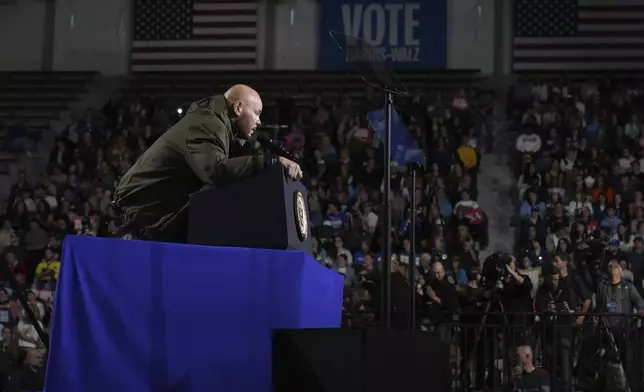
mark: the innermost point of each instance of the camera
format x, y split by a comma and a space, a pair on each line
438, 255
495, 267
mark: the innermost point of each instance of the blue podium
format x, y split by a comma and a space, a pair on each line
136, 316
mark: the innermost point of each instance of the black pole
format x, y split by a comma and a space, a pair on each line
386, 227
20, 290
412, 251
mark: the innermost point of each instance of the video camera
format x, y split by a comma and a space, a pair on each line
438, 255
495, 268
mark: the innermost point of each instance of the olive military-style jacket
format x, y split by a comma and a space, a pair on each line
197, 151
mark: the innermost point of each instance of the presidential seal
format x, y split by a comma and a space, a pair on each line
301, 215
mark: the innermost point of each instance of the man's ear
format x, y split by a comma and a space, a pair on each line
237, 108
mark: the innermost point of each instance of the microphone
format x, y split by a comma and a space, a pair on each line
273, 146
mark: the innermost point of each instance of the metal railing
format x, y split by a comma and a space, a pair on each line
577, 356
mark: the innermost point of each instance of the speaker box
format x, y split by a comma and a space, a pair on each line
338, 360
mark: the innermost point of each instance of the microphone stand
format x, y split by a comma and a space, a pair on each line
386, 202
412, 169
20, 292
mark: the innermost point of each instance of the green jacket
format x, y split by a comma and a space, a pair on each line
199, 150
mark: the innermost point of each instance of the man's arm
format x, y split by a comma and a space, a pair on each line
207, 155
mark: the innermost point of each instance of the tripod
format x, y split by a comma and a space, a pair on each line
478, 349
613, 370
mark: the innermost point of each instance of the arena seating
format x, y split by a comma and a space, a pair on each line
304, 86
34, 99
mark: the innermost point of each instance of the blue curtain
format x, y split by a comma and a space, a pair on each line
142, 316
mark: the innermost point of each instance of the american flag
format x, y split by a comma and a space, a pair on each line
194, 35
578, 35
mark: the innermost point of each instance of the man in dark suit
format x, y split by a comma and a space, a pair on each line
202, 149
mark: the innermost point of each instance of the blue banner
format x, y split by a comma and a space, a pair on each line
410, 35
404, 148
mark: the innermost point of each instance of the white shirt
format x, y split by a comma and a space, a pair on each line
528, 143
632, 130
566, 164
51, 201
467, 204
370, 222
347, 254
625, 163
540, 91
27, 330
30, 205
575, 206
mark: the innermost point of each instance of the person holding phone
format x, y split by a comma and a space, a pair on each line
526, 377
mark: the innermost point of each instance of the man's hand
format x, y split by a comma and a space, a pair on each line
292, 169
430, 291
517, 371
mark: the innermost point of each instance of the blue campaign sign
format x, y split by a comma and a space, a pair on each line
404, 148
410, 35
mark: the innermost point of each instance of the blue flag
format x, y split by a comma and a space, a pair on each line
404, 149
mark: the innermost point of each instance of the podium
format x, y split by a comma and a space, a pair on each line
158, 317
265, 211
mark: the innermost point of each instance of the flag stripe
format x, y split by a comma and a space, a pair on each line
586, 46
578, 40
197, 56
195, 50
226, 18
225, 12
578, 66
578, 54
585, 59
193, 61
225, 24
225, 30
571, 35
230, 5
196, 44
193, 67
193, 35
593, 14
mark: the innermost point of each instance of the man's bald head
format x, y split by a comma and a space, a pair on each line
438, 270
246, 107
240, 92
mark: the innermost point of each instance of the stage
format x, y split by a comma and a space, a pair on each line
144, 316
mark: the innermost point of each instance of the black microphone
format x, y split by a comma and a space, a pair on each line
274, 147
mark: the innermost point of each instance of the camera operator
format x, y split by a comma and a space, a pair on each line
555, 298
569, 280
514, 289
620, 297
505, 291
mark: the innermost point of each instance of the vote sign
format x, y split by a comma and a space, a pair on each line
409, 35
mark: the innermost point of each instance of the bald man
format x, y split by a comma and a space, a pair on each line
202, 149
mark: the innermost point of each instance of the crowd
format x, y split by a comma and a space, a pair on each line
580, 231
343, 167
72, 196
580, 224
569, 297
